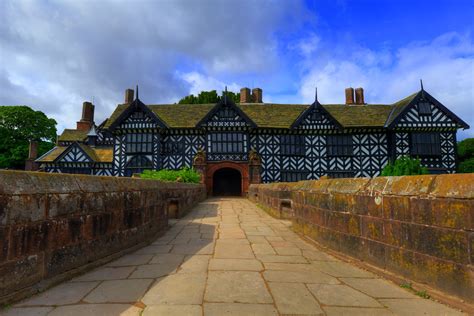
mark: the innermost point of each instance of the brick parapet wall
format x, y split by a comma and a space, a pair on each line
421, 227
52, 224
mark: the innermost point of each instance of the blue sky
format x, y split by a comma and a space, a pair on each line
56, 54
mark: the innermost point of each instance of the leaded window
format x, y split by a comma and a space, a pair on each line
293, 176
139, 143
424, 108
292, 145
339, 145
173, 148
425, 144
137, 164
74, 170
232, 143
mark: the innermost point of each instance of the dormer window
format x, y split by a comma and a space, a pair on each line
424, 108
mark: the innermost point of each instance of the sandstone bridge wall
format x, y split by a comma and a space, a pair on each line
420, 227
54, 226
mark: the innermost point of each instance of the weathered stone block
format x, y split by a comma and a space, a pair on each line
397, 208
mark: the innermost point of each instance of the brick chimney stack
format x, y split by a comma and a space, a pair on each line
245, 95
30, 164
359, 96
257, 95
349, 95
87, 119
129, 93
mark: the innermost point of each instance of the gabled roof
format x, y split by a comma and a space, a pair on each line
224, 102
315, 106
127, 109
96, 154
272, 115
369, 115
402, 106
181, 115
72, 135
51, 155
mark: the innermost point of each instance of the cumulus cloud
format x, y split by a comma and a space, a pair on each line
199, 82
61, 53
445, 64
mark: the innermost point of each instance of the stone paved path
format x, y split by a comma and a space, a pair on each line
228, 257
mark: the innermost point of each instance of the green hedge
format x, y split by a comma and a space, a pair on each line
187, 175
404, 166
466, 155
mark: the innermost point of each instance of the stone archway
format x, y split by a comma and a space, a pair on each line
242, 168
227, 182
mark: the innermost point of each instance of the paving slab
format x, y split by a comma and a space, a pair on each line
342, 269
131, 260
418, 306
172, 310
66, 293
357, 311
119, 291
294, 299
153, 271
236, 251
106, 273
168, 258
235, 265
154, 249
195, 264
177, 289
229, 309
341, 295
263, 249
378, 288
236, 287
299, 277
96, 309
282, 259
26, 311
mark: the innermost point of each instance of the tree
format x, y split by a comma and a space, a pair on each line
206, 97
466, 155
18, 126
404, 166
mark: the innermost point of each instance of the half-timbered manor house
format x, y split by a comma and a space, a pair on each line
233, 145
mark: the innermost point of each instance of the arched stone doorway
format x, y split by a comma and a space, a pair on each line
227, 182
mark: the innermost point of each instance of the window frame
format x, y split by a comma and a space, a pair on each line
340, 146
424, 108
425, 144
139, 143
292, 145
227, 142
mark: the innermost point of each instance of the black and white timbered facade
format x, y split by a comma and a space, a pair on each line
293, 142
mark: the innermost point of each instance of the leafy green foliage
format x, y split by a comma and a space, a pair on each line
404, 166
466, 166
466, 155
19, 125
187, 175
206, 97
466, 149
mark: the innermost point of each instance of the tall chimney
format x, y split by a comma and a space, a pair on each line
257, 95
87, 119
359, 93
33, 150
129, 95
349, 95
245, 95
30, 164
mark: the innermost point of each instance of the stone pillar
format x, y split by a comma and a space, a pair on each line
200, 164
255, 166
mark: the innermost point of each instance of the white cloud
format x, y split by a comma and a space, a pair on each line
61, 53
199, 82
446, 65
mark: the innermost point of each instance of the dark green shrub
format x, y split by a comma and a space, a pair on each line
466, 166
466, 149
187, 175
404, 166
